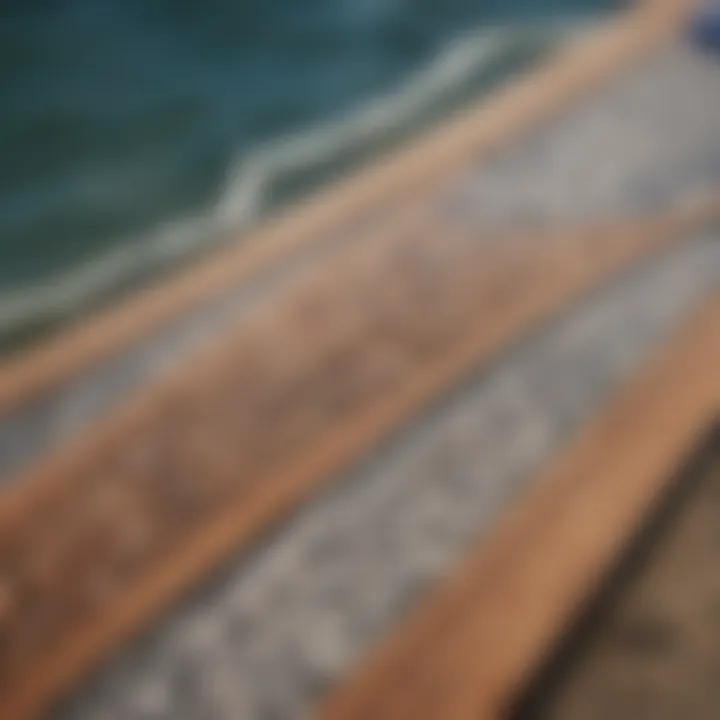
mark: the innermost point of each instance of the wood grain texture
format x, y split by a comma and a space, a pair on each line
418, 172
472, 647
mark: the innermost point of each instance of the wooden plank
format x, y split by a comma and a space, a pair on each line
416, 172
471, 648
654, 628
104, 535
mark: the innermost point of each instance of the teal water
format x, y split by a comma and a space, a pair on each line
136, 133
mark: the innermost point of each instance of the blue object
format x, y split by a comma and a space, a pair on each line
706, 27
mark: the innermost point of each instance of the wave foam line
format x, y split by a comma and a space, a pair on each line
244, 198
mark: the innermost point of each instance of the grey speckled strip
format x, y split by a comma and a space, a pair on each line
643, 141
634, 146
269, 637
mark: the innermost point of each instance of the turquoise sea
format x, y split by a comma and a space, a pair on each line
137, 133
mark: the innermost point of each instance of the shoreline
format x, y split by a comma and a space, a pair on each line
419, 168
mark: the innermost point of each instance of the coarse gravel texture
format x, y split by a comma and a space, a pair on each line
633, 147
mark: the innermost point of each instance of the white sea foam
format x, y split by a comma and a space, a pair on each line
462, 62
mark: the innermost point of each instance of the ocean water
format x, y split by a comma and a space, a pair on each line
135, 134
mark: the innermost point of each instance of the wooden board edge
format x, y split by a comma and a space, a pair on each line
469, 649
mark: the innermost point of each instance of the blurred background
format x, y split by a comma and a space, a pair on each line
138, 135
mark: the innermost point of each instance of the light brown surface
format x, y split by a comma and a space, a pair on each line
470, 650
653, 650
103, 536
418, 171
